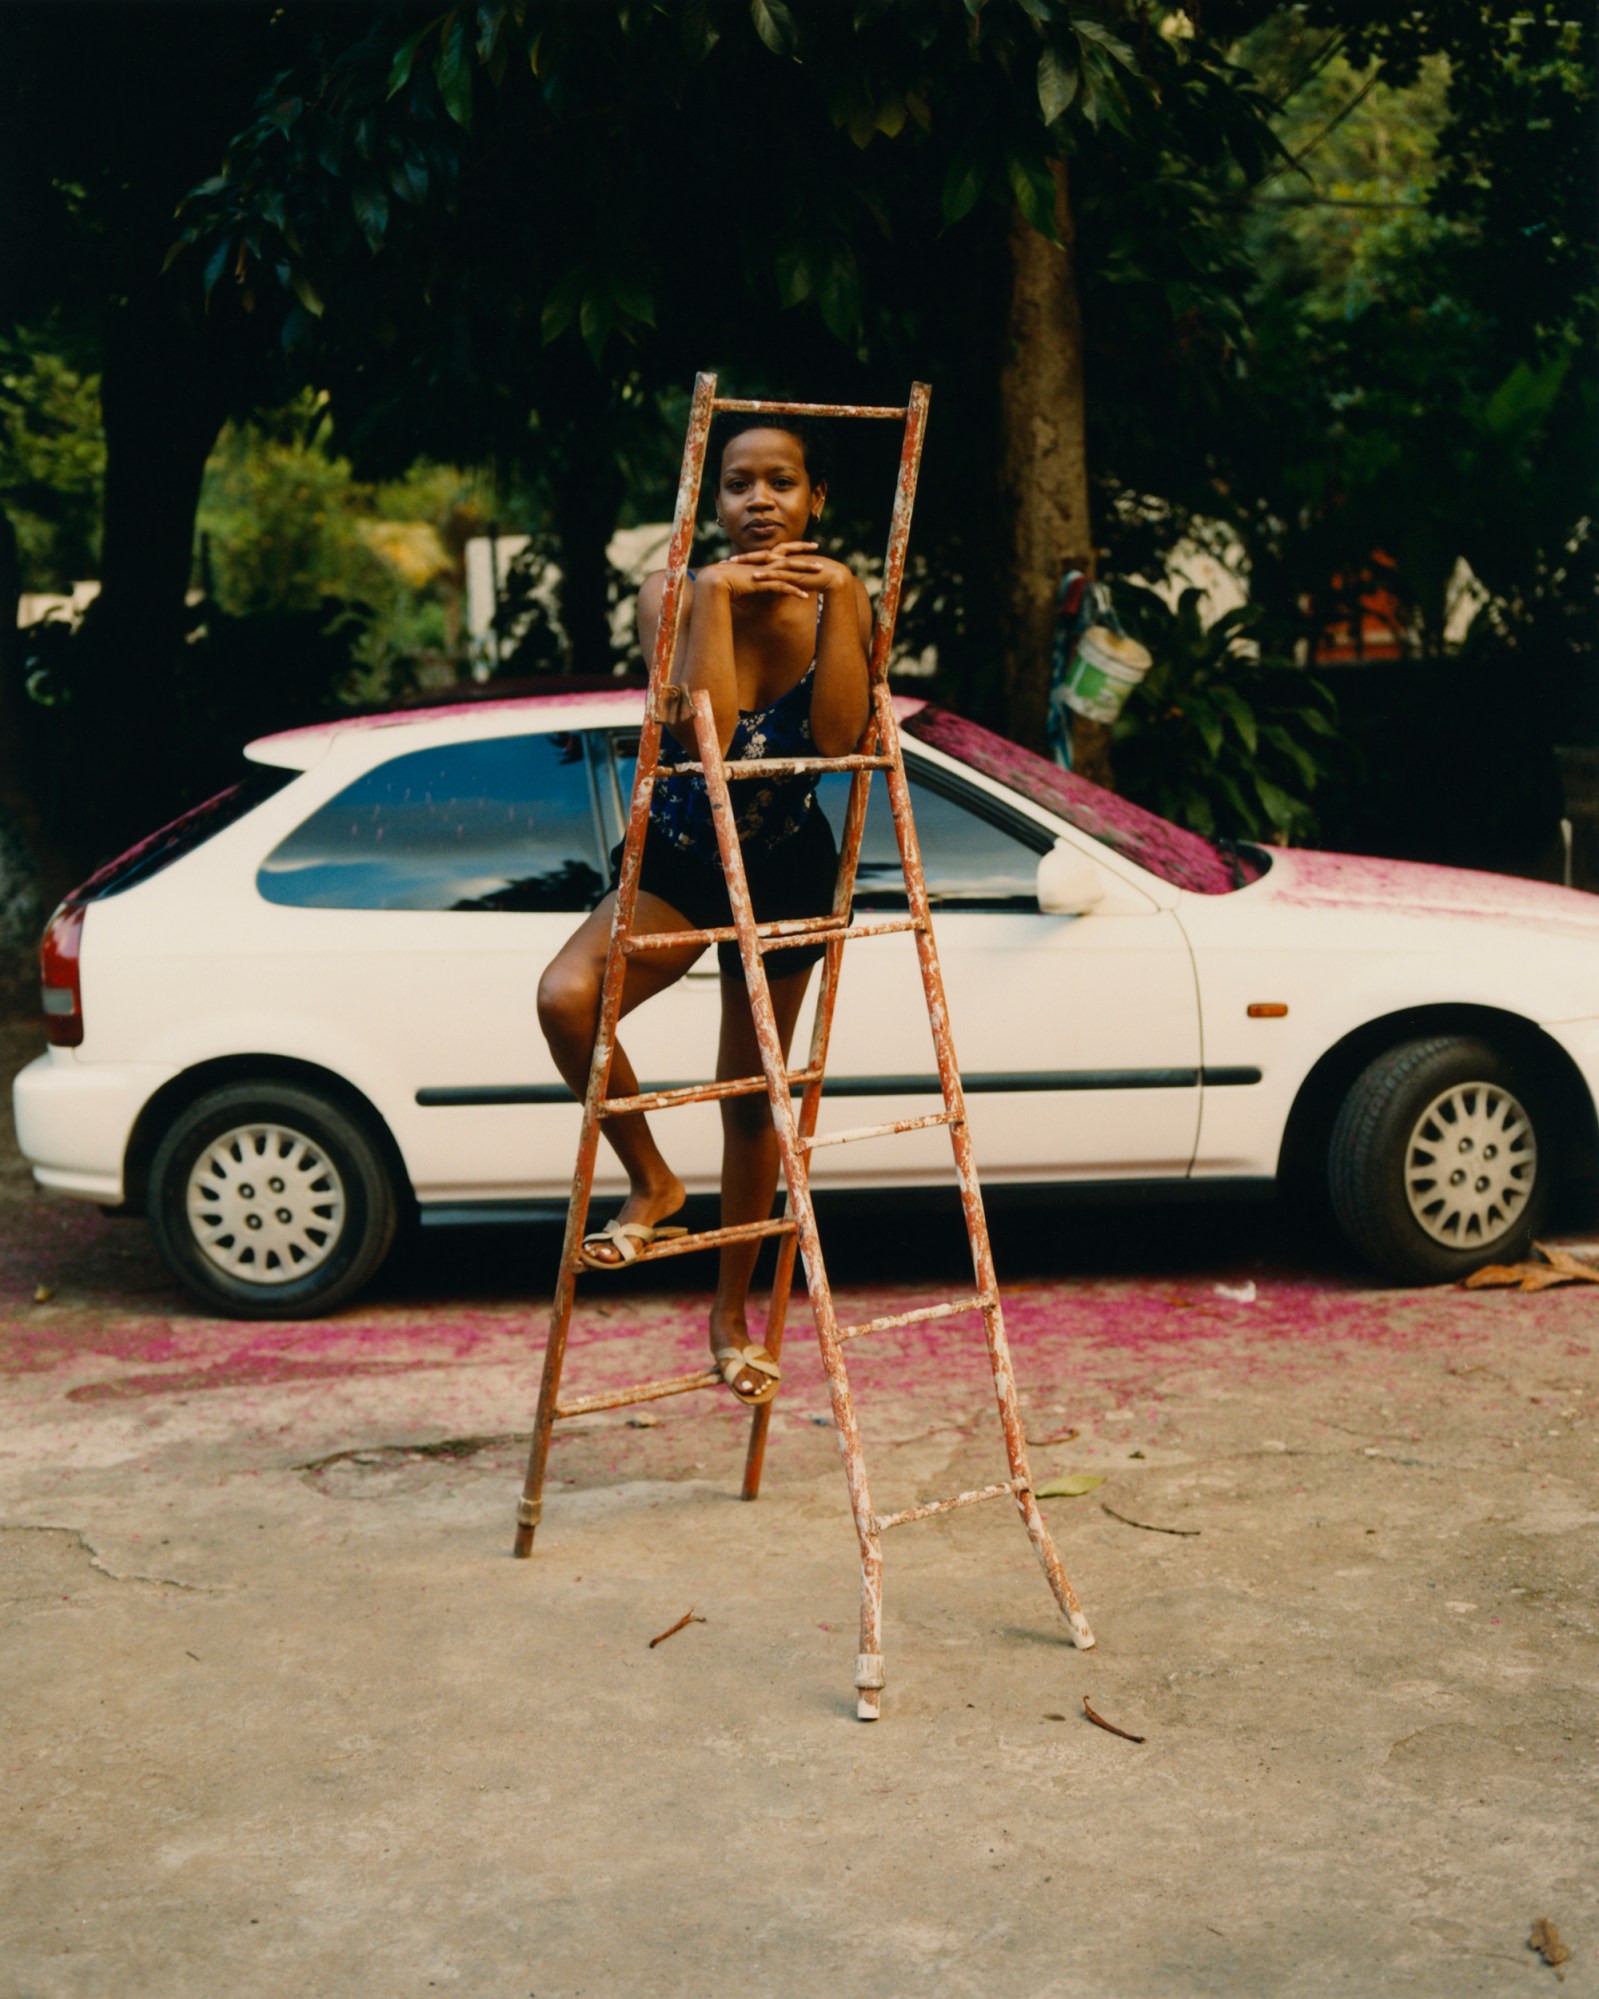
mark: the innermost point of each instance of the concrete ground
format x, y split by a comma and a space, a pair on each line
282, 1716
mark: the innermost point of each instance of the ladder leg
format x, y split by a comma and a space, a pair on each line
772, 1340
966, 1174
1038, 1533
775, 1068
694, 446
869, 1660
811, 1102
530, 1510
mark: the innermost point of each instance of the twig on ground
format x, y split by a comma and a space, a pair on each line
1144, 1524
688, 1617
1059, 1437
1109, 1727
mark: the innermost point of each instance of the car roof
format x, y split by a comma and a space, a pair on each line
463, 721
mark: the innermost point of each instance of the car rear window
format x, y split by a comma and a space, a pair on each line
503, 823
182, 835
1152, 843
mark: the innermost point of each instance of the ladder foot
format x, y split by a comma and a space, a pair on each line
1082, 1631
869, 1685
528, 1514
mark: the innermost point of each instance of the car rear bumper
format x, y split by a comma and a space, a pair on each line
74, 1121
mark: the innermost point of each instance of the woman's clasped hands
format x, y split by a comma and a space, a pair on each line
785, 568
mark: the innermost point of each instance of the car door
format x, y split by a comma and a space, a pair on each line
428, 894
1077, 1036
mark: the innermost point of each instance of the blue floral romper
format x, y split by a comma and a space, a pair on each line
790, 855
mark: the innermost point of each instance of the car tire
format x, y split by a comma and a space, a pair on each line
270, 1201
1441, 1159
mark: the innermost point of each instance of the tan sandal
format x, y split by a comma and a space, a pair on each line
627, 1239
734, 1361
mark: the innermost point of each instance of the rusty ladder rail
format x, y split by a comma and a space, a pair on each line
879, 750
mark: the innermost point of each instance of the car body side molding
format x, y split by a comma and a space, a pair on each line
975, 1084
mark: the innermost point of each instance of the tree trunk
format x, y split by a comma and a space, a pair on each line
586, 492
1043, 466
163, 403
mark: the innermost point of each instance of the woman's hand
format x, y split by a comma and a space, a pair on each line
787, 569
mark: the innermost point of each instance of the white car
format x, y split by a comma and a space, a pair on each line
305, 1010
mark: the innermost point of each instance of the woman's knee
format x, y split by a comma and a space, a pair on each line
568, 1002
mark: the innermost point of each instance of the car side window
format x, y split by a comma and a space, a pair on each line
975, 855
972, 857
508, 823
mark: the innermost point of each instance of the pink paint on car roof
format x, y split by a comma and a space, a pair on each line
281, 745
399, 718
1165, 850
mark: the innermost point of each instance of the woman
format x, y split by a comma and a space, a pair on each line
777, 635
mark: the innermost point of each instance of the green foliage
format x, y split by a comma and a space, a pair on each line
455, 217
289, 530
1219, 735
52, 461
1416, 381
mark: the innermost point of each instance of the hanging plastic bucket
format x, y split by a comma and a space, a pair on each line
1105, 669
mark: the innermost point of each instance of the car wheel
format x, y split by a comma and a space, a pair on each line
270, 1202
1440, 1159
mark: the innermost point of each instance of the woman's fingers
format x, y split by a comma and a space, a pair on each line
757, 558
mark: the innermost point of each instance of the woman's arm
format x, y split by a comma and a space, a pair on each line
841, 697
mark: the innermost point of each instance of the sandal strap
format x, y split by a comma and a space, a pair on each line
625, 1235
754, 1358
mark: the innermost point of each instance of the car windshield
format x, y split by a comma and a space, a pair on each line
1181, 858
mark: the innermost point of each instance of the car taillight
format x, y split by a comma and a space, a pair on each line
58, 976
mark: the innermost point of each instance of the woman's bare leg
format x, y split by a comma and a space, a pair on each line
750, 1156
569, 1013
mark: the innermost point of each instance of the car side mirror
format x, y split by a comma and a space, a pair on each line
1068, 882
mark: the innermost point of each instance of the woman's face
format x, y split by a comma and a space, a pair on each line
765, 494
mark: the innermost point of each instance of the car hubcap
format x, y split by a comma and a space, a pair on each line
1470, 1165
266, 1204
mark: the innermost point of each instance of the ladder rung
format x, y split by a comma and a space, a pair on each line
700, 1093
643, 1391
884, 1521
843, 934
707, 1239
882, 1130
777, 766
770, 936
811, 409
979, 1301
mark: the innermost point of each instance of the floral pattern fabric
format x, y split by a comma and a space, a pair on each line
768, 811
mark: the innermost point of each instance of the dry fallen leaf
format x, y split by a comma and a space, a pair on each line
1558, 1267
1569, 1265
1545, 1940
42, 1294
1072, 1487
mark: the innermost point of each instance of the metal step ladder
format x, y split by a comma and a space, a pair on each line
798, 1137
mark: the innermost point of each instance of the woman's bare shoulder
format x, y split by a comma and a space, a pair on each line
647, 612
653, 588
